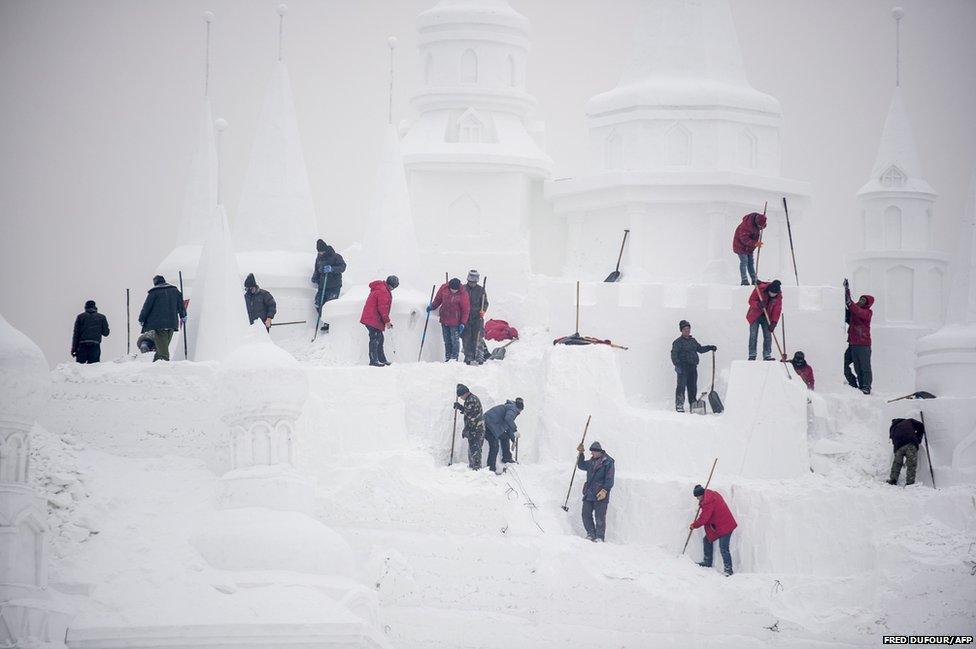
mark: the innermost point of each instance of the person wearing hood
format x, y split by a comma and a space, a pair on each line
803, 369
766, 298
162, 313
719, 523
376, 317
454, 308
259, 302
90, 326
684, 357
600, 473
905, 436
474, 329
474, 424
745, 241
858, 351
500, 430
329, 267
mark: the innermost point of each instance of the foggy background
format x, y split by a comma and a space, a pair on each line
98, 107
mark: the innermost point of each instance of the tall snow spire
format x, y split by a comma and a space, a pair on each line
282, 9
392, 43
897, 13
208, 17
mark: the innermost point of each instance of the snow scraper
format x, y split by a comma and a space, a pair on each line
698, 511
570, 490
615, 275
922, 394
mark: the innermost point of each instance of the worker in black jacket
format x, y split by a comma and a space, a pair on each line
162, 313
327, 275
684, 357
905, 435
90, 326
259, 302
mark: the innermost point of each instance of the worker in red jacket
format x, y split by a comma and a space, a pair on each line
455, 306
858, 351
744, 243
803, 369
714, 515
376, 317
766, 298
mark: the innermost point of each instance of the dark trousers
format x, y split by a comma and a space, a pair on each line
163, 338
376, 353
860, 357
723, 547
330, 294
746, 265
452, 344
595, 517
471, 340
687, 381
493, 444
88, 353
754, 338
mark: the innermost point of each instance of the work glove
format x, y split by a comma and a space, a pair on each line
691, 526
326, 269
430, 307
579, 449
712, 348
515, 436
759, 244
601, 495
772, 327
267, 322
460, 329
846, 283
458, 407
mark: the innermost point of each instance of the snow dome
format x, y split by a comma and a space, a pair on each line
24, 378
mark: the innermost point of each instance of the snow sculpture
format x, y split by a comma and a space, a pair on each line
27, 613
473, 159
946, 366
680, 150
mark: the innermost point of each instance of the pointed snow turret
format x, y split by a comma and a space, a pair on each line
276, 210
390, 242
896, 167
218, 319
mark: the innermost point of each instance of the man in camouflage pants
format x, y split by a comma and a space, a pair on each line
474, 424
905, 435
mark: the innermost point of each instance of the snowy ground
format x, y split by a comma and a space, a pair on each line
129, 455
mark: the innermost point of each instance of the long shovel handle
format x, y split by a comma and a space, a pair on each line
712, 389
424, 336
927, 456
621, 255
453, 434
698, 511
789, 231
582, 441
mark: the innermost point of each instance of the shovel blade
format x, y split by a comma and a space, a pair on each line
613, 277
498, 354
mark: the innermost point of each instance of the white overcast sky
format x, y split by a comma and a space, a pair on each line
98, 102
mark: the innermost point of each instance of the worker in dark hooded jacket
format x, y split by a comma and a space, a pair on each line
684, 357
86, 342
905, 435
745, 241
162, 313
327, 275
600, 473
803, 369
858, 351
717, 519
500, 430
260, 303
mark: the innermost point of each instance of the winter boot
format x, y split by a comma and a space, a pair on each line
728, 572
768, 358
680, 408
894, 482
745, 282
866, 390
590, 537
704, 565
324, 328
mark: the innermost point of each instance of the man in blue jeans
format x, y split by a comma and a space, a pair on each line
745, 240
714, 515
764, 300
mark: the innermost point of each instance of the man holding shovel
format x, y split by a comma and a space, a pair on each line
474, 424
684, 357
714, 515
596, 490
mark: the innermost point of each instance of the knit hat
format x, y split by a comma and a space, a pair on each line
774, 286
454, 284
321, 245
159, 279
595, 446
90, 304
519, 403
699, 490
392, 281
799, 357
250, 282
473, 276
462, 389
683, 324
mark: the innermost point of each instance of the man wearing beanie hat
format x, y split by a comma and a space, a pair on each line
714, 515
162, 313
684, 357
376, 317
500, 430
455, 307
474, 327
765, 299
596, 490
329, 267
90, 326
474, 424
259, 302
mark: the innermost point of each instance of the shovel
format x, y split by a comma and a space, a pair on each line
713, 399
498, 353
615, 275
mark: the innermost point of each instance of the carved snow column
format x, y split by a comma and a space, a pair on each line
263, 391
26, 614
